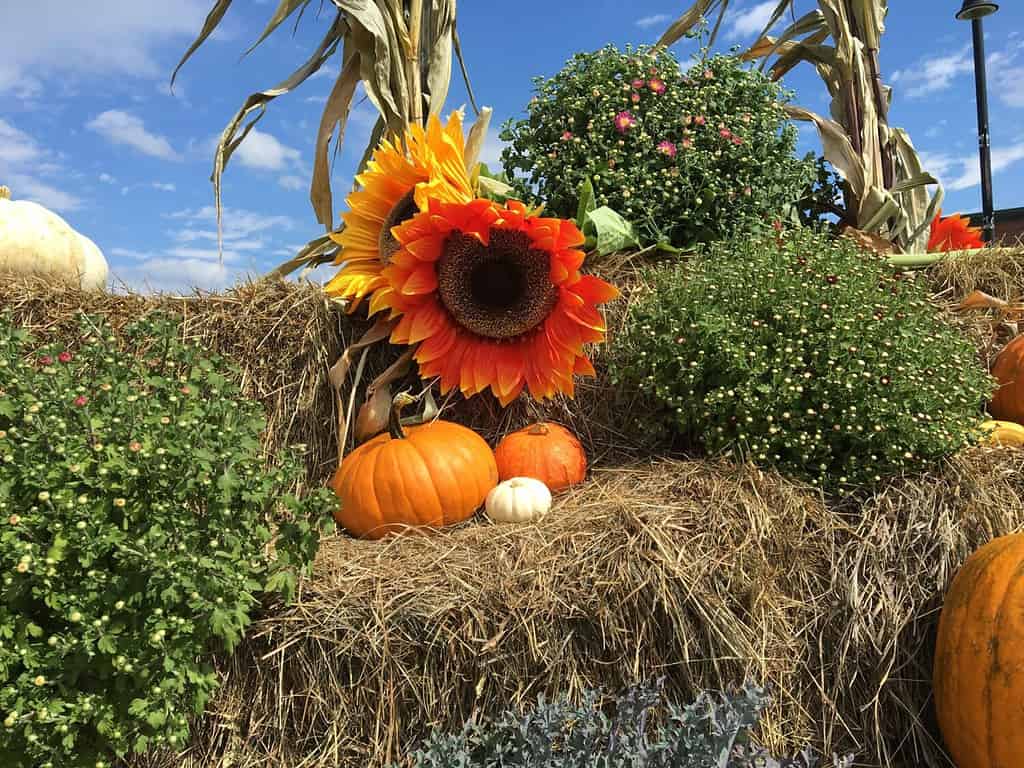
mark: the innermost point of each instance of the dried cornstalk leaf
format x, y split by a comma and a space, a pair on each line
212, 20
284, 10
457, 45
339, 371
678, 29
838, 149
869, 241
335, 115
320, 250
436, 52
477, 137
257, 102
981, 300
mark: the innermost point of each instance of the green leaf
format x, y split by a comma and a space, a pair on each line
587, 204
156, 718
614, 233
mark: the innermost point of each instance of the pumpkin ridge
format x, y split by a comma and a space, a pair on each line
957, 664
972, 609
999, 633
371, 507
428, 477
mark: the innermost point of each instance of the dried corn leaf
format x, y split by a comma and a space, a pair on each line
335, 116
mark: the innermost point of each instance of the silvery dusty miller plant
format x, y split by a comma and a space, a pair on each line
686, 157
135, 512
803, 353
643, 730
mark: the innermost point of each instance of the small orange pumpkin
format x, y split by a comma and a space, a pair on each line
429, 475
979, 659
1008, 401
544, 451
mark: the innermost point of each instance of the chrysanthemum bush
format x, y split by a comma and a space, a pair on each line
643, 730
136, 509
685, 157
804, 353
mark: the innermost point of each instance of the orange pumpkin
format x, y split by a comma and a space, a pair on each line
546, 452
1008, 401
429, 475
979, 659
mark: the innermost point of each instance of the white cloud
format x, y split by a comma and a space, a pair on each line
238, 225
316, 99
46, 38
646, 22
157, 185
934, 130
964, 172
292, 182
106, 178
1010, 86
934, 74
124, 128
166, 274
490, 152
752, 21
22, 161
264, 152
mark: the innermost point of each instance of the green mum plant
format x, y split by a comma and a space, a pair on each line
137, 515
806, 354
686, 157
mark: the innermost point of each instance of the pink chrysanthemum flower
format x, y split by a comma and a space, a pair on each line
667, 148
624, 121
656, 84
638, 83
700, 120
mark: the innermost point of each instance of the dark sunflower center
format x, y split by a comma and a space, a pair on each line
499, 290
402, 211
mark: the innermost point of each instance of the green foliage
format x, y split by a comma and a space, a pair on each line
694, 157
135, 516
643, 731
807, 354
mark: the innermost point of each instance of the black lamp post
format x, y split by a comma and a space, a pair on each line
975, 11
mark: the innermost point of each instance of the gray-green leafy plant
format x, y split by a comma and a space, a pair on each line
136, 517
803, 353
715, 731
684, 157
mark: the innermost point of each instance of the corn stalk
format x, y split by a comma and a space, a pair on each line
401, 50
885, 188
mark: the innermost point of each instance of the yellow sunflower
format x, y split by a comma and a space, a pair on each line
493, 297
402, 175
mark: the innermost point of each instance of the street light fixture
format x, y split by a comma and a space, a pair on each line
974, 11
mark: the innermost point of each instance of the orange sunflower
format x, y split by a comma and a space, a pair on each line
493, 297
427, 163
954, 233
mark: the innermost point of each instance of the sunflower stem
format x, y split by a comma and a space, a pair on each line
401, 400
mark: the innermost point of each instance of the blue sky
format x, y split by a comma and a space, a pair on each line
89, 128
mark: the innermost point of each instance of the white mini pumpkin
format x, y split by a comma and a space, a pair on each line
36, 241
518, 500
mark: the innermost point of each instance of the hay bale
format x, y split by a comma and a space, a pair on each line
702, 572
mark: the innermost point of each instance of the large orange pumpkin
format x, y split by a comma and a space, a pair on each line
546, 452
430, 475
1008, 401
979, 659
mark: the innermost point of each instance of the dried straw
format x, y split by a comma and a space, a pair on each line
702, 571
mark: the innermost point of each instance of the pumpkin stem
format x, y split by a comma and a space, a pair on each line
401, 400
5, 192
540, 428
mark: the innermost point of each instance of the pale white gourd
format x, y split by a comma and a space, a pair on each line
36, 241
518, 500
